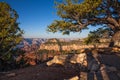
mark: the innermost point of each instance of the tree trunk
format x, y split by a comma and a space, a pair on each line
115, 37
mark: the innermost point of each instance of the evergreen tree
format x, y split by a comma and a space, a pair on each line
10, 32
77, 15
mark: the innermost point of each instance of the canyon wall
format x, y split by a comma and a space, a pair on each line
58, 45
69, 47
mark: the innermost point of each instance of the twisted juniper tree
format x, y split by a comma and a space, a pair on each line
10, 32
77, 15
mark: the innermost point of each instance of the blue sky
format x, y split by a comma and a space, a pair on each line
36, 15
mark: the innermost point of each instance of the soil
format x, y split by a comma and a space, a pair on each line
43, 72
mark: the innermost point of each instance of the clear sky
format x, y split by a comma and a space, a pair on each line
36, 15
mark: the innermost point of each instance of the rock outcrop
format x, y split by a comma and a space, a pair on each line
68, 47
56, 47
57, 44
69, 60
87, 59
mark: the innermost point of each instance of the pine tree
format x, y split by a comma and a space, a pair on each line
78, 15
10, 32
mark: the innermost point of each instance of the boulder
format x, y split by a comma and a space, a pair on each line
79, 59
58, 59
74, 78
69, 59
115, 49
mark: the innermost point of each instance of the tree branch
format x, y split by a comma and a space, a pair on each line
8, 51
113, 21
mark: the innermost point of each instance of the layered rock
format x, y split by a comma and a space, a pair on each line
56, 47
58, 44
49, 47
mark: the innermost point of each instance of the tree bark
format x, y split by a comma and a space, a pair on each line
115, 37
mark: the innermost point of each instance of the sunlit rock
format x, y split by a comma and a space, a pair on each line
116, 49
79, 59
59, 59
69, 59
32, 62
74, 78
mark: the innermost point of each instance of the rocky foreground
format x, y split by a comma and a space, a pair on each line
71, 67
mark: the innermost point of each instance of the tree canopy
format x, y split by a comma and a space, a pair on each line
77, 15
10, 32
95, 36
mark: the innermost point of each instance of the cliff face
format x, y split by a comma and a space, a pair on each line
49, 47
67, 46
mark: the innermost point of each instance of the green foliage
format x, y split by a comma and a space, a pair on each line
92, 39
10, 33
95, 36
73, 13
77, 15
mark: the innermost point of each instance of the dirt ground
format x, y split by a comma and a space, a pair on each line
43, 72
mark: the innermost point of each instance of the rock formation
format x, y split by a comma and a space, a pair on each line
87, 59
57, 45
69, 60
